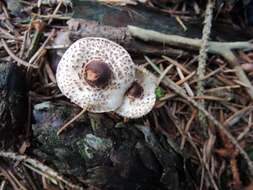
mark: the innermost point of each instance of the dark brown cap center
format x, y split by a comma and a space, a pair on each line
97, 74
135, 91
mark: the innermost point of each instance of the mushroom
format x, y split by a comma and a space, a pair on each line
95, 73
140, 97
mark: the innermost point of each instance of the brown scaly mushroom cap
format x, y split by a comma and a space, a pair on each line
140, 97
95, 72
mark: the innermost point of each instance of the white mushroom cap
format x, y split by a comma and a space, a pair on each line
73, 65
144, 100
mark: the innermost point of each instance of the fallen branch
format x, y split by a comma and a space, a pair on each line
223, 49
81, 28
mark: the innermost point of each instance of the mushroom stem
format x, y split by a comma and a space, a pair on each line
71, 121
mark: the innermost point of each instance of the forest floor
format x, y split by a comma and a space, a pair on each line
198, 134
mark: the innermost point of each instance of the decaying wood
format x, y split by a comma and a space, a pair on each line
80, 28
13, 105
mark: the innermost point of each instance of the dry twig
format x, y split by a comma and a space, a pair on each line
17, 59
71, 121
202, 58
55, 11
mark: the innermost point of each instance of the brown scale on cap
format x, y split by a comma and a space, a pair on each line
135, 91
97, 74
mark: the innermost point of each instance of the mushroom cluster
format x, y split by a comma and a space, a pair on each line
99, 75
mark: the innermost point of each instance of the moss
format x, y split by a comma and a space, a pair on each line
4, 70
63, 111
91, 145
159, 92
83, 149
49, 136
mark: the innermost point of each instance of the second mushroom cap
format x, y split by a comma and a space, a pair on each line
140, 97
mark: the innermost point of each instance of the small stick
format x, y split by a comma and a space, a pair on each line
6, 33
187, 128
205, 97
39, 26
50, 73
247, 129
165, 72
233, 119
221, 88
33, 58
245, 132
2, 186
8, 24
30, 179
71, 121
185, 78
5, 173
172, 61
17, 59
14, 178
51, 16
212, 73
186, 85
23, 46
55, 11
202, 58
39, 3
235, 173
